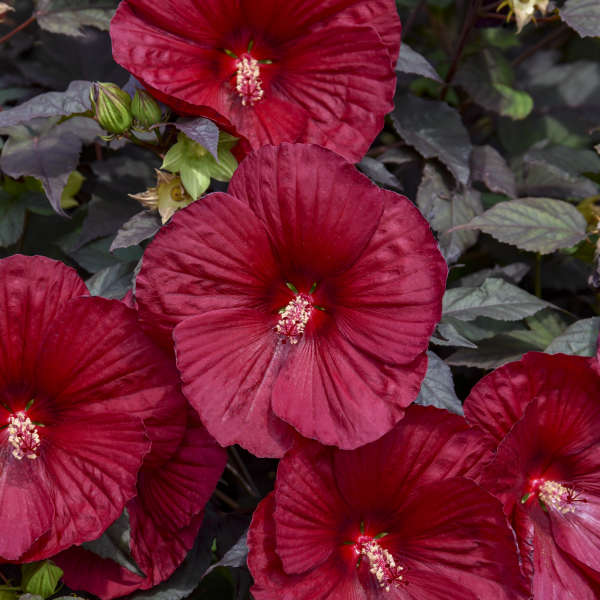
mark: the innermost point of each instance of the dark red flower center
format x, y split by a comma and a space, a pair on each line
294, 317
381, 563
553, 495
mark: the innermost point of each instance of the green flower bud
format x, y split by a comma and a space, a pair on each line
145, 109
112, 107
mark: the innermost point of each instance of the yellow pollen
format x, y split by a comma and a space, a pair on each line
381, 563
248, 82
557, 496
23, 436
294, 318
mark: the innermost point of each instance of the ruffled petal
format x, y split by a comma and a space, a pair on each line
318, 210
228, 377
33, 291
332, 392
454, 531
389, 302
427, 445
310, 514
213, 254
93, 464
26, 508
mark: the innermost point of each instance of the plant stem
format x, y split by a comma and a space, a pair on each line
553, 35
243, 468
225, 498
2, 576
18, 28
538, 275
412, 18
241, 479
468, 25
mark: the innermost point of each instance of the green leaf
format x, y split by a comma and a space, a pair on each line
76, 99
112, 282
70, 16
489, 167
445, 209
234, 557
12, 219
138, 228
580, 338
74, 183
494, 298
437, 388
435, 130
535, 224
447, 335
583, 16
114, 544
512, 273
202, 131
488, 78
412, 62
40, 578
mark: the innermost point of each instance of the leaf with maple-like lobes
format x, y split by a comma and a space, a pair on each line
535, 224
435, 130
437, 388
494, 352
40, 578
75, 99
583, 16
488, 78
489, 167
445, 208
138, 228
203, 131
112, 282
580, 338
572, 160
12, 219
494, 298
235, 556
114, 544
512, 273
47, 152
410, 61
70, 16
540, 178
447, 335
377, 172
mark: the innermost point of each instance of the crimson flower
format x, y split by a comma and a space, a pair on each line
319, 71
77, 376
394, 519
303, 299
165, 516
542, 414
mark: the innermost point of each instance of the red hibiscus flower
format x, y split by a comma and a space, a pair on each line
304, 299
543, 416
165, 516
394, 519
77, 376
318, 71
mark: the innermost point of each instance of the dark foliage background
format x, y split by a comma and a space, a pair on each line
493, 137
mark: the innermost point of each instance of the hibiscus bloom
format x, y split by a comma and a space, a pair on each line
318, 71
77, 376
165, 516
394, 519
542, 414
303, 300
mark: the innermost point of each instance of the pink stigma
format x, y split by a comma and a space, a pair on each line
23, 436
381, 563
294, 317
247, 82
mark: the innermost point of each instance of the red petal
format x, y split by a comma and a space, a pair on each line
453, 531
84, 570
26, 509
33, 292
319, 211
93, 464
228, 377
331, 391
310, 514
213, 254
427, 445
389, 302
